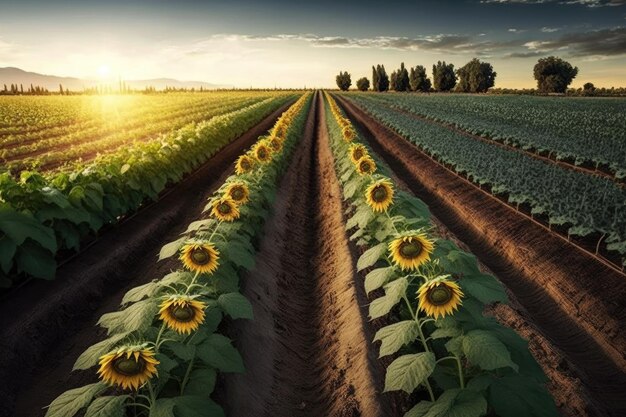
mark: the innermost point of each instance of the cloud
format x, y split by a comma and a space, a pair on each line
529, 54
549, 30
588, 3
604, 42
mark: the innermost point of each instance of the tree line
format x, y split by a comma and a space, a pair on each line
553, 75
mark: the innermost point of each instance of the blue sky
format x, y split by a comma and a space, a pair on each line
292, 44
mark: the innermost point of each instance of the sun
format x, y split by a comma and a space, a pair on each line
104, 71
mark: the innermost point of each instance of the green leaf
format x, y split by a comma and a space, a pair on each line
54, 196
109, 406
172, 248
371, 256
517, 396
183, 351
419, 410
393, 294
36, 261
138, 293
377, 278
19, 226
394, 336
409, 371
218, 352
71, 402
137, 317
484, 349
458, 403
460, 263
455, 346
240, 255
92, 354
446, 332
485, 288
201, 382
7, 252
163, 407
196, 406
236, 305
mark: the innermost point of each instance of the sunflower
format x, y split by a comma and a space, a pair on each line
199, 256
409, 252
244, 164
276, 144
379, 195
129, 366
439, 297
348, 133
357, 152
182, 313
225, 209
238, 191
262, 152
366, 165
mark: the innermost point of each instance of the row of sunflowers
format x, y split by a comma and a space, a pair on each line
430, 297
163, 350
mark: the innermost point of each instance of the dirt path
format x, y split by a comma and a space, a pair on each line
577, 303
308, 351
44, 326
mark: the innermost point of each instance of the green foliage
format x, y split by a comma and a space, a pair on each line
363, 84
418, 80
553, 74
343, 81
444, 78
475, 77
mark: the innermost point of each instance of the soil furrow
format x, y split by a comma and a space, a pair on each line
45, 326
308, 351
575, 301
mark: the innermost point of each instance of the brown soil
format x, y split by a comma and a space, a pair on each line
45, 326
533, 154
570, 395
308, 351
574, 300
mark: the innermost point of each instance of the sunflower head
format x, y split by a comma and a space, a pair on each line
411, 251
379, 195
262, 152
439, 297
348, 133
129, 366
238, 192
357, 151
276, 144
366, 166
199, 256
182, 313
225, 209
244, 165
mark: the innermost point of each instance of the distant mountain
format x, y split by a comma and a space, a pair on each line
12, 75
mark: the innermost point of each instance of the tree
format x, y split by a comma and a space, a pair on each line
61, 89
476, 77
375, 82
400, 79
589, 89
363, 84
443, 76
381, 79
344, 81
553, 74
418, 80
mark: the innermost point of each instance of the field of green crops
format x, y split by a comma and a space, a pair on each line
274, 253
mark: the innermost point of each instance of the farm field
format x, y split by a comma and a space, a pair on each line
312, 253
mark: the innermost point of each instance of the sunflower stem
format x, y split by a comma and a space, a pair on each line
393, 224
460, 366
186, 378
140, 405
215, 230
156, 343
152, 396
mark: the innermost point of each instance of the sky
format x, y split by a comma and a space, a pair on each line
295, 43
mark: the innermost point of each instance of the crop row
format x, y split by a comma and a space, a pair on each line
582, 204
456, 360
164, 350
583, 131
83, 142
41, 214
